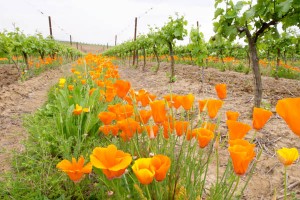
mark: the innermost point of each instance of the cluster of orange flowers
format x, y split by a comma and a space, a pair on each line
225, 60
46, 61
265, 63
126, 120
3, 59
114, 162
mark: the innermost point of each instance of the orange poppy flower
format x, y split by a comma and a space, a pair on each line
110, 160
83, 81
210, 126
100, 83
241, 153
168, 128
71, 87
202, 105
144, 97
221, 90
287, 156
121, 111
237, 130
74, 169
77, 110
143, 170
187, 101
161, 165
181, 127
232, 115
128, 99
128, 126
92, 90
169, 99
110, 93
152, 131
145, 115
122, 87
189, 135
213, 106
107, 117
158, 111
204, 136
289, 110
177, 101
260, 117
106, 129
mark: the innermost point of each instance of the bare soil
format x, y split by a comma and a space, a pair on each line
8, 75
16, 100
268, 176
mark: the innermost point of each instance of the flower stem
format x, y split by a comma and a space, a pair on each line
250, 174
285, 183
148, 192
235, 187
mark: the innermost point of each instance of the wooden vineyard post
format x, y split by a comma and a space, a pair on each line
50, 27
116, 40
71, 40
134, 38
77, 45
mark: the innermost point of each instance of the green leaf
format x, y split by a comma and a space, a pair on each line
249, 14
218, 12
285, 6
239, 5
230, 14
217, 2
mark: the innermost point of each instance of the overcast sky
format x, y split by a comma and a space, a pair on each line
98, 21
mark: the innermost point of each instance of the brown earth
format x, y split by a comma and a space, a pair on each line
268, 176
88, 48
18, 99
8, 75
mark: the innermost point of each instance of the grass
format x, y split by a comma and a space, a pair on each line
34, 174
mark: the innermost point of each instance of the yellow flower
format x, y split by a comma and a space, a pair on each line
287, 156
86, 110
143, 170
62, 82
77, 110
77, 72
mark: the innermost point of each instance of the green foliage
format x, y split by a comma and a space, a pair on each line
255, 17
285, 73
173, 29
197, 46
18, 44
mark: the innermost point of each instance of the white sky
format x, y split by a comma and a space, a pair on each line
98, 21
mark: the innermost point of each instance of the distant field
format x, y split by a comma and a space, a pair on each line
88, 48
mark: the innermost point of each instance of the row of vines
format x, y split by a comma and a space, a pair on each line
256, 23
32, 52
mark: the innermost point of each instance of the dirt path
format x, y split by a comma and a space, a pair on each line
269, 174
16, 100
